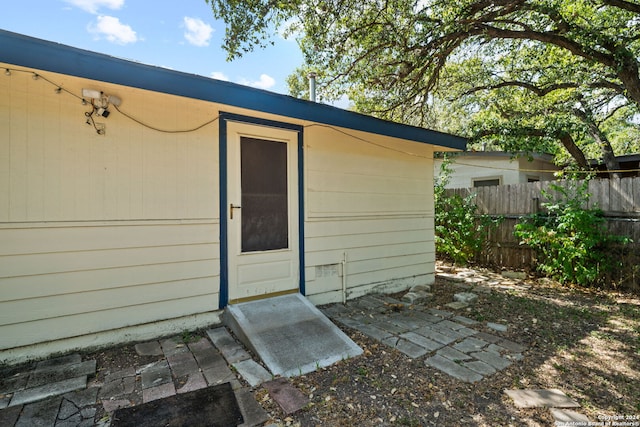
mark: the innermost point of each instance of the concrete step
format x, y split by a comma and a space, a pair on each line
289, 334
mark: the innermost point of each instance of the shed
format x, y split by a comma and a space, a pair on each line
137, 200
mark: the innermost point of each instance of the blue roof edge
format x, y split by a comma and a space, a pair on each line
26, 51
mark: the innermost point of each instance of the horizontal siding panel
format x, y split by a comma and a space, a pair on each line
321, 180
334, 256
34, 309
367, 162
48, 263
367, 240
92, 280
78, 238
367, 225
17, 335
355, 280
386, 263
324, 203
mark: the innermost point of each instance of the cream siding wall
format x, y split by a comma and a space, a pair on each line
369, 204
103, 232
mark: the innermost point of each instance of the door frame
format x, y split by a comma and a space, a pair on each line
224, 118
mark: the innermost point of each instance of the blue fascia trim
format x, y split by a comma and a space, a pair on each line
224, 118
25, 51
301, 261
224, 248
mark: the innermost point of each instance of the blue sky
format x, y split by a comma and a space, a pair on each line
181, 35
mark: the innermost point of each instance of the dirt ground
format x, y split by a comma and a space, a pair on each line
583, 342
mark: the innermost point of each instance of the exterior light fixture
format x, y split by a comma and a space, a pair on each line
100, 101
90, 93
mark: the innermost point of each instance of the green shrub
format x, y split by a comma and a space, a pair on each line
460, 232
572, 243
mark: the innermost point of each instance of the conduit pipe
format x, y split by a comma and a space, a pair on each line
344, 277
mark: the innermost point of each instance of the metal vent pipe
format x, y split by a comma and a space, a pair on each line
312, 86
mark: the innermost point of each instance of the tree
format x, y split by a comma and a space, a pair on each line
398, 59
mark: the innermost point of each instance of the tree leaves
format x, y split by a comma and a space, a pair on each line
536, 71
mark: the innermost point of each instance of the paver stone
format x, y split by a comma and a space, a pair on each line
567, 417
536, 398
452, 368
492, 359
252, 372
287, 396
158, 392
151, 348
42, 413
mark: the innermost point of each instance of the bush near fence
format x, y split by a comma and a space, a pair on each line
619, 199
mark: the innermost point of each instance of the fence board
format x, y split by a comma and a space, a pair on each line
619, 199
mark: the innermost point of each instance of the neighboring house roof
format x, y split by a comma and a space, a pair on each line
629, 165
504, 154
35, 53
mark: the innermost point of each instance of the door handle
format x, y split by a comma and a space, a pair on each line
231, 208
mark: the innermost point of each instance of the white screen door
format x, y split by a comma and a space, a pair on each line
263, 211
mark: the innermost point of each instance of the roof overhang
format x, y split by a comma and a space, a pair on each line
25, 51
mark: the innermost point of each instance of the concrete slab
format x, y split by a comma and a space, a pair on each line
424, 342
457, 305
287, 396
452, 368
470, 344
194, 382
567, 417
453, 354
151, 348
252, 372
17, 381
492, 359
432, 334
373, 332
410, 349
9, 416
465, 320
497, 327
289, 334
156, 374
48, 390
172, 346
252, 413
466, 297
480, 367
229, 347
535, 398
182, 364
57, 373
42, 413
158, 392
69, 359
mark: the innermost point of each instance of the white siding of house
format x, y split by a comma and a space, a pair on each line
372, 205
103, 232
482, 166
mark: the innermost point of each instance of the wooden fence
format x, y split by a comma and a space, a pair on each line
619, 199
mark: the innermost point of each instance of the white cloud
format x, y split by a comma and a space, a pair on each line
92, 6
198, 33
265, 82
219, 75
113, 30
